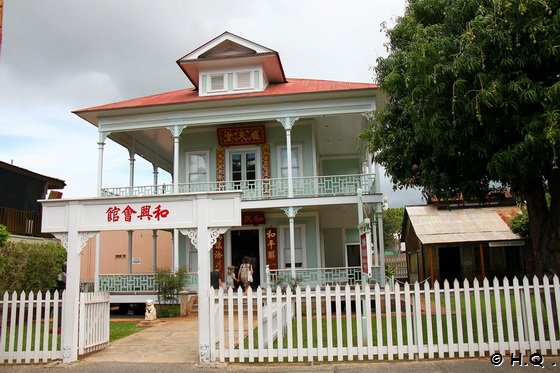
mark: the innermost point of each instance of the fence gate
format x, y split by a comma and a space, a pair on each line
93, 332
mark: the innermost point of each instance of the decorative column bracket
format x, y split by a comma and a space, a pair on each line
83, 236
213, 234
103, 136
287, 122
291, 211
176, 130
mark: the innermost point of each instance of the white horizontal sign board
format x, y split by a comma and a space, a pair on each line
134, 213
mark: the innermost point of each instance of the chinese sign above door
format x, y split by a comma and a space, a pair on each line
238, 136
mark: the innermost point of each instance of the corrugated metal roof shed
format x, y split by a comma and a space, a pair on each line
433, 226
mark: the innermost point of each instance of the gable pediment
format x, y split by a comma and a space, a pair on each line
228, 51
227, 48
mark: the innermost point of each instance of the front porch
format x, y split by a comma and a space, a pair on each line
132, 288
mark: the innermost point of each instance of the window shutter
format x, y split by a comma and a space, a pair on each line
217, 82
244, 80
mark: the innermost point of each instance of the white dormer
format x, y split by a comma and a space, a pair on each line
229, 64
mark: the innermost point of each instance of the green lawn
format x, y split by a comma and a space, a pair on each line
429, 323
121, 329
118, 329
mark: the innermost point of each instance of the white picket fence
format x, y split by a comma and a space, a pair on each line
394, 322
93, 330
31, 327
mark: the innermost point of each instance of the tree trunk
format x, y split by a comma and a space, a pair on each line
544, 221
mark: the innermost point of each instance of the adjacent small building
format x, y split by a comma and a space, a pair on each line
448, 242
19, 191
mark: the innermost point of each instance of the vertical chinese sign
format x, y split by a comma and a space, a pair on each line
218, 255
271, 248
365, 245
1, 11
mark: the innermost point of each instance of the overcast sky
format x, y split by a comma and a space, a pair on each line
62, 55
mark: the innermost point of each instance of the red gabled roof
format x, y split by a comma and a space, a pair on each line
293, 86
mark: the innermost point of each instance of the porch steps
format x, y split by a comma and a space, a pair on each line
188, 305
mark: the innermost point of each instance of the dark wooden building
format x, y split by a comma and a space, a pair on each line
19, 191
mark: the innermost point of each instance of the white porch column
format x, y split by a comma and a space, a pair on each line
96, 262
101, 146
154, 249
291, 213
74, 243
203, 248
176, 133
156, 173
129, 251
131, 185
288, 123
131, 169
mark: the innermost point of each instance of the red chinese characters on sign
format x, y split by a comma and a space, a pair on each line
271, 239
235, 136
252, 218
114, 213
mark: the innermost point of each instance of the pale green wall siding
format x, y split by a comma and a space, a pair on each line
352, 235
192, 142
301, 135
345, 166
202, 85
333, 247
310, 236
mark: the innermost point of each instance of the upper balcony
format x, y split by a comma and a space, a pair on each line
263, 189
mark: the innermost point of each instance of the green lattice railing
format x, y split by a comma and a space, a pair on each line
138, 283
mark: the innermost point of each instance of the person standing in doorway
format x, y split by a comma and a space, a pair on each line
230, 277
245, 274
216, 278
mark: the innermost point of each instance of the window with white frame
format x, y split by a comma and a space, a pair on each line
197, 167
243, 80
299, 246
296, 161
217, 83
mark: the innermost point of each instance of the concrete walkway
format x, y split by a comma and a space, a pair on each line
170, 340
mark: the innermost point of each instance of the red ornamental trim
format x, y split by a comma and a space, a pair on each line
236, 136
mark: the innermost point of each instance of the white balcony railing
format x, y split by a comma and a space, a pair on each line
321, 276
305, 186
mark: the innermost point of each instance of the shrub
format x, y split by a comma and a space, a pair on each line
30, 266
169, 284
4, 234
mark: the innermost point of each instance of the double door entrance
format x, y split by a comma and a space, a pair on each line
246, 243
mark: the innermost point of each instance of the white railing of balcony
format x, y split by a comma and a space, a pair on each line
319, 276
304, 186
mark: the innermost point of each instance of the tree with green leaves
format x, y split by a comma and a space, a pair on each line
473, 105
392, 226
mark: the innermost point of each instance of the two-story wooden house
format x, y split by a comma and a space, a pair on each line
290, 145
